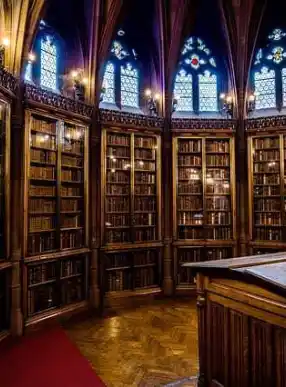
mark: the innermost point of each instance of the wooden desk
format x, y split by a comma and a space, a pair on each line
242, 321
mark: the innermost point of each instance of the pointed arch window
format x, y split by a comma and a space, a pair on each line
109, 84
196, 83
48, 63
121, 79
269, 73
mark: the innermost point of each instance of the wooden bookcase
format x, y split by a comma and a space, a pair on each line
204, 201
131, 211
55, 236
267, 177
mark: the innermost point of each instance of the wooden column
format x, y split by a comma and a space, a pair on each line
168, 282
241, 180
17, 148
94, 178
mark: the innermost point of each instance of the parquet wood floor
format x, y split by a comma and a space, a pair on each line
152, 345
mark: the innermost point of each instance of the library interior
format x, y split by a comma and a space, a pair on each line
142, 193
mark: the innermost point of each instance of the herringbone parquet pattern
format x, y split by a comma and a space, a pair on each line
151, 346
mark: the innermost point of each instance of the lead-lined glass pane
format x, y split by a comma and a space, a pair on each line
129, 86
183, 91
264, 82
48, 64
108, 84
208, 92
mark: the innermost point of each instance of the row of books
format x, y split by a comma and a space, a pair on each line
270, 167
41, 223
46, 173
267, 219
217, 146
117, 139
72, 175
42, 156
266, 179
42, 243
41, 273
42, 205
217, 160
72, 161
217, 233
145, 154
266, 142
267, 204
266, 155
144, 142
267, 233
71, 221
73, 132
41, 125
139, 235
118, 152
190, 146
189, 161
73, 147
44, 141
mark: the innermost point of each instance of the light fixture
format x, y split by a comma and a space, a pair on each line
31, 57
5, 42
226, 104
175, 103
152, 101
74, 74
251, 102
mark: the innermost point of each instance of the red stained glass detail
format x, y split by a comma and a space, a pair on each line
195, 61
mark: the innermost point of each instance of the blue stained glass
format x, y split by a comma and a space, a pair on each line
264, 83
129, 86
284, 85
183, 91
28, 72
208, 92
109, 84
48, 64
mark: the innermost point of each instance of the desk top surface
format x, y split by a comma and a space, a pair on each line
267, 268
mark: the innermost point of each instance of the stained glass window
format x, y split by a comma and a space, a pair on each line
109, 84
264, 82
183, 91
48, 64
196, 87
208, 101
129, 86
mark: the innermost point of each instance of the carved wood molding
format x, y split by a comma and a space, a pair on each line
130, 119
203, 125
8, 82
37, 95
265, 123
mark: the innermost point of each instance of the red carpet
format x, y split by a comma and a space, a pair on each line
45, 359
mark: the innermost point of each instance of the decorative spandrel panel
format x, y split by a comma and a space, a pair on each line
129, 86
265, 88
48, 64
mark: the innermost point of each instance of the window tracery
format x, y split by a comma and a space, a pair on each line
121, 77
196, 83
269, 72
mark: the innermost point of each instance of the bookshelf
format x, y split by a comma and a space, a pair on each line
55, 188
131, 270
4, 179
55, 283
267, 192
130, 188
204, 201
131, 211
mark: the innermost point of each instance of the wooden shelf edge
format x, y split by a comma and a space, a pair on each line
56, 313
57, 255
204, 243
267, 244
4, 335
5, 265
123, 247
133, 293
